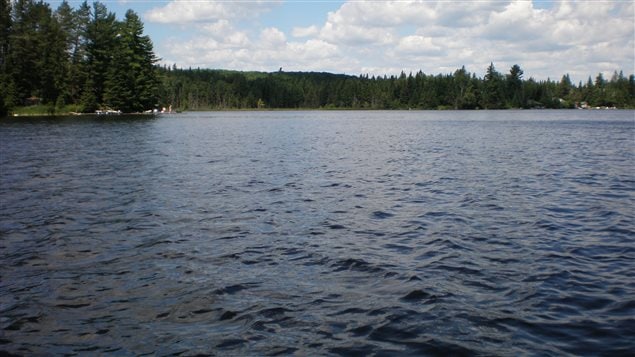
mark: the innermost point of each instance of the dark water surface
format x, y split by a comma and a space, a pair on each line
319, 233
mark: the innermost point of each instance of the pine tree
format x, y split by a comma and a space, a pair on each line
88, 101
515, 95
492, 89
101, 36
23, 46
36, 57
131, 83
599, 91
78, 73
6, 82
565, 87
54, 62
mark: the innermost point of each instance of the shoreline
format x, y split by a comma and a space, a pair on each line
110, 115
73, 114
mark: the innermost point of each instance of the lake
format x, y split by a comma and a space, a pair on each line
319, 233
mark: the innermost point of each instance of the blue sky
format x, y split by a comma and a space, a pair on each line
546, 38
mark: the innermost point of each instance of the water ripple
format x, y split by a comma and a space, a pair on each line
319, 233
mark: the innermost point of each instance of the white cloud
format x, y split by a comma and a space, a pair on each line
271, 52
313, 49
356, 35
219, 27
238, 40
187, 11
463, 14
271, 36
517, 22
373, 23
417, 45
382, 13
223, 34
305, 31
580, 38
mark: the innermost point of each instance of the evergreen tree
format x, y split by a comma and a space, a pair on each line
66, 17
631, 90
54, 63
515, 94
73, 24
24, 45
6, 82
587, 91
146, 81
131, 84
88, 101
599, 91
101, 36
36, 57
492, 89
567, 91
78, 73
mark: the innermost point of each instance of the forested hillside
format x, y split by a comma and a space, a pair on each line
83, 59
197, 89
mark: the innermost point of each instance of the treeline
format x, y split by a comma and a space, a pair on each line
198, 89
84, 57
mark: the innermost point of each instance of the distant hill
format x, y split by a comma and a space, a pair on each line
205, 89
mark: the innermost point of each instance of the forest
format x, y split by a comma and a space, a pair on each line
84, 59
201, 89
69, 59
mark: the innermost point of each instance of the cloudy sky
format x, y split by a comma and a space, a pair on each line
546, 38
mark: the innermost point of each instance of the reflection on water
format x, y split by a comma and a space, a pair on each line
317, 233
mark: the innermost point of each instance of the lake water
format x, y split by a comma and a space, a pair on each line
319, 233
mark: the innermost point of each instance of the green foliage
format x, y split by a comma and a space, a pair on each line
132, 83
46, 109
201, 89
493, 90
88, 102
77, 51
35, 61
6, 83
78, 56
514, 90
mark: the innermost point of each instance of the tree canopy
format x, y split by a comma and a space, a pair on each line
200, 89
82, 56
